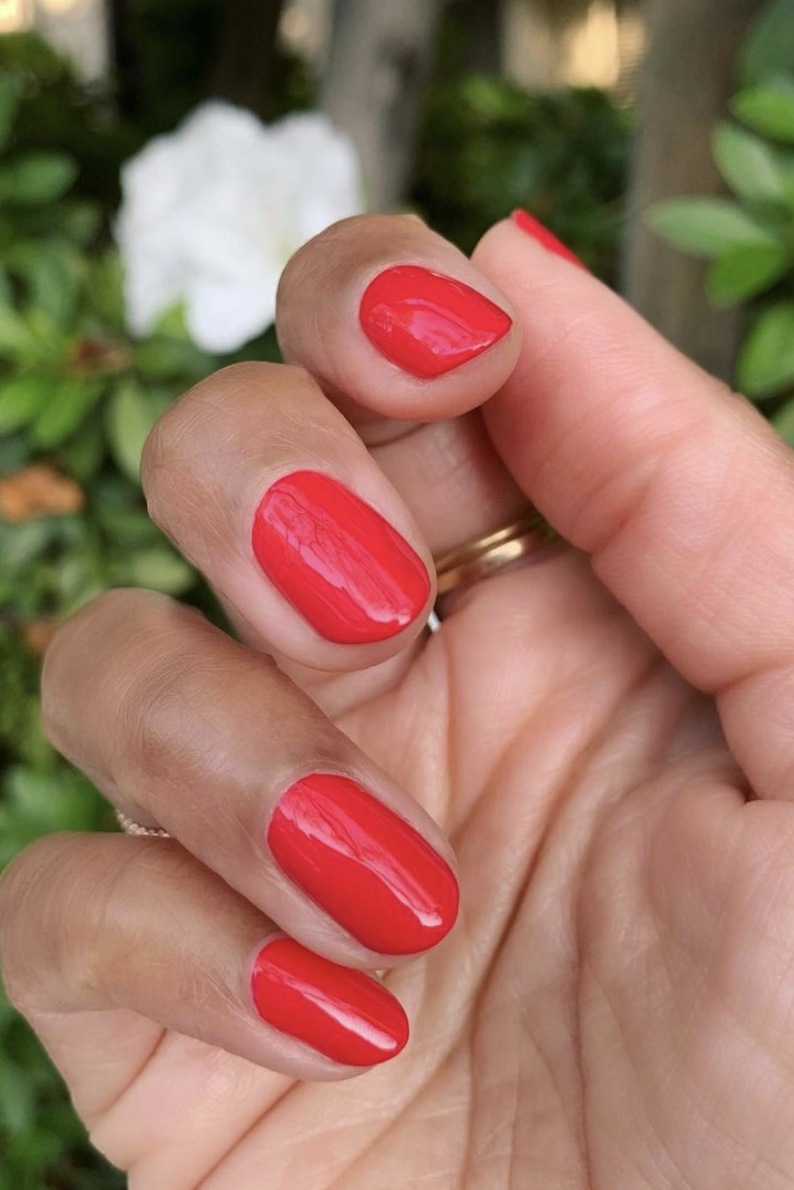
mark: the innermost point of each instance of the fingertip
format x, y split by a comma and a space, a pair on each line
397, 321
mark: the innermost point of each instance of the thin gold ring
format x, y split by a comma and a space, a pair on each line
481, 558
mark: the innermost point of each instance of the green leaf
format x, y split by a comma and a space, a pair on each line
162, 358
80, 222
6, 288
746, 272
706, 227
750, 167
69, 402
159, 568
105, 290
11, 87
131, 413
36, 178
83, 455
783, 421
768, 109
53, 272
17, 341
769, 48
21, 544
766, 363
21, 398
129, 528
43, 802
173, 322
51, 343
14, 453
17, 1106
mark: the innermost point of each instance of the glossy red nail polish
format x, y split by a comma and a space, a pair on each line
342, 1013
337, 561
426, 323
545, 237
363, 864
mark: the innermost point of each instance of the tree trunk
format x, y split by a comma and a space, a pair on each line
483, 19
125, 58
377, 69
687, 77
246, 70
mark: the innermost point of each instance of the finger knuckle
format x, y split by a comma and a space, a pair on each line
357, 238
87, 635
21, 883
165, 707
194, 431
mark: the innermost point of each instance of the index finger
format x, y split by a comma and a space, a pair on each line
681, 491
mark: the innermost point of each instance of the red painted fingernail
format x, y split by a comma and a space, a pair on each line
342, 1013
337, 561
545, 237
426, 323
363, 864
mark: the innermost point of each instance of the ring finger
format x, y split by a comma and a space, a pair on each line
182, 727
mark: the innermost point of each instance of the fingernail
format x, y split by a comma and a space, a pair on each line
337, 561
429, 324
534, 228
363, 864
341, 1013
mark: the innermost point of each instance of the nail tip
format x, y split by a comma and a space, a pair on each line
533, 227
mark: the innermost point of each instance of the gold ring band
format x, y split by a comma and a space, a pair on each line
483, 557
131, 827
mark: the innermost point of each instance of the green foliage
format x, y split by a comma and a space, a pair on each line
754, 170
708, 227
766, 365
769, 48
744, 272
750, 240
488, 146
769, 109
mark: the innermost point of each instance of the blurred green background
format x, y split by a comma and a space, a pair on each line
657, 141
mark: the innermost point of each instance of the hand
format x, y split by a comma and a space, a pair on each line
613, 1008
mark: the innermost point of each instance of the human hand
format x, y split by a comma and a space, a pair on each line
612, 1009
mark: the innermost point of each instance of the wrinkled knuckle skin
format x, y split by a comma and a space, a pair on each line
19, 887
194, 429
86, 635
344, 242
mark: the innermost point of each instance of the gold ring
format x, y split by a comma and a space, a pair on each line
131, 827
483, 557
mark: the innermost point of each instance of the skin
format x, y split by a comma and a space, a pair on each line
603, 734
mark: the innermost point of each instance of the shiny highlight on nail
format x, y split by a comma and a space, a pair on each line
337, 561
365, 865
427, 323
343, 1014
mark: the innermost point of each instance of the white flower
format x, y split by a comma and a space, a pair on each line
211, 213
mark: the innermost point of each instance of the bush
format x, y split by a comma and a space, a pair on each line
750, 239
487, 146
